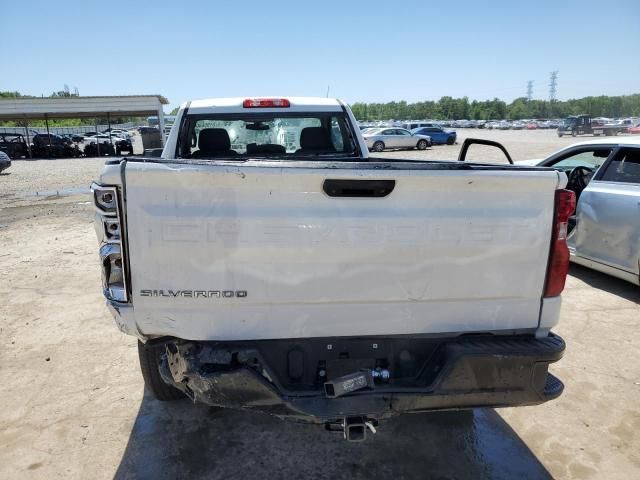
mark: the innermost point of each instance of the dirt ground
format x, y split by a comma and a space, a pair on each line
73, 402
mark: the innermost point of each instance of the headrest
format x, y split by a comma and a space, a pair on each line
213, 140
315, 138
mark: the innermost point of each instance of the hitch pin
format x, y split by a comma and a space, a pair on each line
370, 427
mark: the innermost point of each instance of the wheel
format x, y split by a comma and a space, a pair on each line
149, 361
450, 141
559, 135
118, 151
422, 145
378, 147
573, 133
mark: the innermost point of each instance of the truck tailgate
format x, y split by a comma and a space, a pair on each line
250, 252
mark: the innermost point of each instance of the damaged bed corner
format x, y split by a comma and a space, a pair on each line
209, 377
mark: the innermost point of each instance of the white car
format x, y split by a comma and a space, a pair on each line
394, 137
103, 137
118, 132
604, 230
122, 133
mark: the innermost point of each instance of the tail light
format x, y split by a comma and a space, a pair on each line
558, 265
266, 103
109, 230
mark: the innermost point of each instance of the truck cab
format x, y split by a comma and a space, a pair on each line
575, 125
585, 125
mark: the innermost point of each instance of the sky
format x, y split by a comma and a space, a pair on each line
373, 51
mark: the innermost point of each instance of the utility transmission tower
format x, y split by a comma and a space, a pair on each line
553, 83
529, 90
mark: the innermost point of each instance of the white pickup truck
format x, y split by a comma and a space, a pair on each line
266, 262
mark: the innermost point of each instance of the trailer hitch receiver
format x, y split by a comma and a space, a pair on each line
354, 429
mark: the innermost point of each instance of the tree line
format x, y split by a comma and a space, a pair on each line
448, 108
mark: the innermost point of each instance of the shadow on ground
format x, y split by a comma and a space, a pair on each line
182, 440
610, 284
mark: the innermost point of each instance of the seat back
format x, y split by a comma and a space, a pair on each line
213, 141
315, 140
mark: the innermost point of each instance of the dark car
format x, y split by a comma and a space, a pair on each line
124, 145
438, 135
5, 161
54, 146
13, 144
142, 130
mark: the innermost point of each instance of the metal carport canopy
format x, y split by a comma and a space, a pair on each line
81, 107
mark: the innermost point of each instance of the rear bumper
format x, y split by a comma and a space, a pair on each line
286, 377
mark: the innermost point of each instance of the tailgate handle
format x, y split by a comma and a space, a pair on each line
358, 188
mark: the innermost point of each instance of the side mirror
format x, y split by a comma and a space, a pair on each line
480, 141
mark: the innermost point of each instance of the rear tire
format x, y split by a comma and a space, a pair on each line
378, 147
422, 145
149, 361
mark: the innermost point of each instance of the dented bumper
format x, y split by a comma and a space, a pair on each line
286, 378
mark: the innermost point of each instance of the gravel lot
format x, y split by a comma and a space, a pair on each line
74, 404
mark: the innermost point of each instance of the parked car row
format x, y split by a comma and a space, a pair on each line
501, 124
505, 124
586, 125
522, 124
419, 135
67, 145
